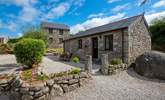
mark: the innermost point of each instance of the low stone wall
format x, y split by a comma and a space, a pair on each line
5, 81
43, 90
108, 69
113, 69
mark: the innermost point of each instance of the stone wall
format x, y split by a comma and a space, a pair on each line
43, 90
139, 39
55, 36
109, 69
114, 69
71, 46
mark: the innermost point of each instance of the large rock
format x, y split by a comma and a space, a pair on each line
151, 64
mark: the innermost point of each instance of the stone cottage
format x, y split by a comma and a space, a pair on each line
56, 33
125, 39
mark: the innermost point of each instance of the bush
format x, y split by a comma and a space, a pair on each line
29, 51
27, 74
116, 61
76, 59
75, 71
42, 77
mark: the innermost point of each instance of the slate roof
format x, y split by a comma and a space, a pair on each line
108, 27
54, 25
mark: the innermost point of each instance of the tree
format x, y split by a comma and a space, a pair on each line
157, 28
14, 40
36, 33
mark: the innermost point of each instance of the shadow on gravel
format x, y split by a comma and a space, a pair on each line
133, 73
80, 65
7, 67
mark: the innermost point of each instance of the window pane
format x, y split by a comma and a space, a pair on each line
61, 32
109, 42
60, 40
79, 44
50, 30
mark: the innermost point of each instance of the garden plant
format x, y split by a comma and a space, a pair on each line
29, 52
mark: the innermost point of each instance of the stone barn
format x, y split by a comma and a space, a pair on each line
56, 33
125, 39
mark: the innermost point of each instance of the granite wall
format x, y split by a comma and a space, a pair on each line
139, 39
42, 90
55, 36
71, 46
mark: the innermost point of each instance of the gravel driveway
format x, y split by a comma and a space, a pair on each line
126, 85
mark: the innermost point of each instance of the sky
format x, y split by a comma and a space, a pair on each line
18, 15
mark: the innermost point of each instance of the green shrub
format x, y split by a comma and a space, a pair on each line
29, 51
75, 59
27, 74
116, 61
42, 77
75, 71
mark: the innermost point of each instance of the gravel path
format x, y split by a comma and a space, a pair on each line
50, 66
126, 85
8, 65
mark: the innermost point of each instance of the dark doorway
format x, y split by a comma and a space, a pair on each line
95, 47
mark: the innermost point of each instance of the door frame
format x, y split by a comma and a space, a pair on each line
94, 50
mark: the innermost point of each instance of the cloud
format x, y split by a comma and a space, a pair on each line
19, 34
160, 3
120, 7
18, 2
94, 22
11, 26
112, 1
150, 17
96, 15
78, 2
58, 11
62, 8
28, 13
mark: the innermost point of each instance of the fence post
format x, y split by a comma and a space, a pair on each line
105, 64
88, 64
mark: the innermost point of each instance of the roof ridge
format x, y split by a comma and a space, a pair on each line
112, 22
53, 23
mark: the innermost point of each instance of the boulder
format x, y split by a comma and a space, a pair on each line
151, 64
